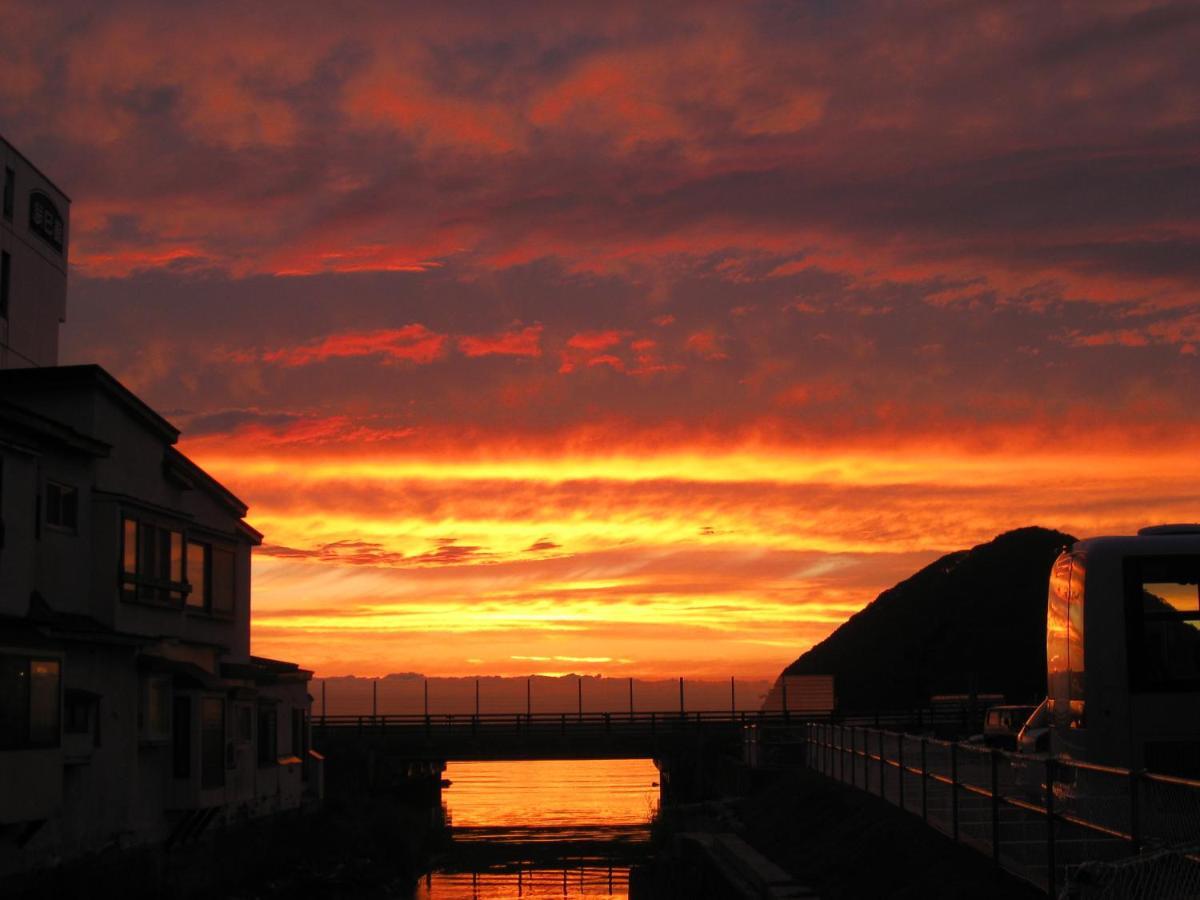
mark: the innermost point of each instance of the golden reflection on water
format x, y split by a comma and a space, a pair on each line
544, 828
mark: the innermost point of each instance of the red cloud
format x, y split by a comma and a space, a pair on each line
595, 340
707, 345
526, 342
413, 343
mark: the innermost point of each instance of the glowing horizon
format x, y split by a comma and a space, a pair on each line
662, 337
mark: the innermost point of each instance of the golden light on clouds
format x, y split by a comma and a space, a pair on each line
634, 565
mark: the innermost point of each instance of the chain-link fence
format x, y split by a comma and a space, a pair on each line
1071, 828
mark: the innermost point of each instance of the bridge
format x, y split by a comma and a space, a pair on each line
512, 736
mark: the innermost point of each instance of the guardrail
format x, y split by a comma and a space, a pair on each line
1042, 819
648, 722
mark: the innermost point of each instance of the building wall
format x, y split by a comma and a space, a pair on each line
18, 495
116, 785
37, 299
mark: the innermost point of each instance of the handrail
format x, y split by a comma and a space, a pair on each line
831, 749
616, 718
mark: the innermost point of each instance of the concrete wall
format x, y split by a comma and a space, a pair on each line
38, 280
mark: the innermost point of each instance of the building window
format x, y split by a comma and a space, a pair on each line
181, 738
81, 713
5, 278
10, 191
1163, 616
30, 702
154, 710
62, 506
199, 562
212, 742
268, 725
223, 581
151, 562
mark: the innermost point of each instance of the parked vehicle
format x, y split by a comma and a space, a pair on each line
1002, 724
1130, 606
1034, 736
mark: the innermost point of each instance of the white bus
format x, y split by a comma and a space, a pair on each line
1123, 651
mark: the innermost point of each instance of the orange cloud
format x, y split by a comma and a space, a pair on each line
413, 343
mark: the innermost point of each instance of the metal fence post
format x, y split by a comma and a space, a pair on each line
924, 784
842, 751
995, 806
1135, 825
954, 790
853, 756
882, 767
1051, 886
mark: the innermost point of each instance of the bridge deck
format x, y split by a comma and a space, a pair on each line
540, 735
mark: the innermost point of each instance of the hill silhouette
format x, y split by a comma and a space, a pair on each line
974, 619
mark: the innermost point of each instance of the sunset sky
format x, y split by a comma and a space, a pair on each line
645, 339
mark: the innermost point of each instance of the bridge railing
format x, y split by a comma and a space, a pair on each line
543, 723
1043, 819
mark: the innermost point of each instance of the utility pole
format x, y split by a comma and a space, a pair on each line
374, 697
528, 698
427, 698
477, 698
631, 697
579, 688
681, 695
732, 698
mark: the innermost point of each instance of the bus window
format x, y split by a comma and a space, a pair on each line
1164, 622
1075, 678
1056, 639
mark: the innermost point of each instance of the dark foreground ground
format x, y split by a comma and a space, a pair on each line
365, 847
846, 843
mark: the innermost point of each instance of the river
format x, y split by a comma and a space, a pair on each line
544, 828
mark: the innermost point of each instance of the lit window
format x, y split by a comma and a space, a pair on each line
152, 562
30, 704
198, 561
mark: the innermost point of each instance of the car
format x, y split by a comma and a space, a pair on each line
1003, 724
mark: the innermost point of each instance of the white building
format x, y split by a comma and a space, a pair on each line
131, 710
33, 263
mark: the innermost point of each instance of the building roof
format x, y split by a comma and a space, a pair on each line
94, 378
197, 477
29, 425
34, 166
83, 378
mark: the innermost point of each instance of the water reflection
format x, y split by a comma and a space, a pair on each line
547, 828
